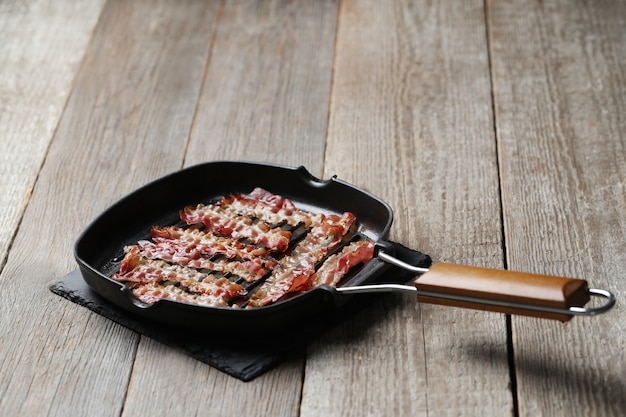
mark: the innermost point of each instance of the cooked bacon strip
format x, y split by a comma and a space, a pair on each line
138, 271
220, 221
190, 255
270, 208
272, 200
337, 265
293, 273
207, 243
151, 293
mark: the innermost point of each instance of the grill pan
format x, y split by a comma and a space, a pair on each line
99, 250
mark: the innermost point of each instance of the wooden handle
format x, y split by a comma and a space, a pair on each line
507, 286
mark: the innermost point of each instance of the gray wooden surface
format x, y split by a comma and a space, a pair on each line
496, 131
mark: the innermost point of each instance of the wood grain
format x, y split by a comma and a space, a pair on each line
127, 121
42, 46
179, 385
268, 85
397, 97
411, 121
560, 89
265, 98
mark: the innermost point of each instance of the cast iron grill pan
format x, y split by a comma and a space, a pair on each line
100, 248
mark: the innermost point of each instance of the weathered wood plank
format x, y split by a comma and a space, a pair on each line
166, 382
268, 85
265, 98
560, 94
42, 46
127, 121
411, 121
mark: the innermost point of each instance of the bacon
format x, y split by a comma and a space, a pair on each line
131, 261
218, 220
191, 256
327, 234
338, 265
151, 293
206, 243
139, 271
270, 208
272, 200
239, 235
294, 272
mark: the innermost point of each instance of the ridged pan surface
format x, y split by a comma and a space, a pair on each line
100, 247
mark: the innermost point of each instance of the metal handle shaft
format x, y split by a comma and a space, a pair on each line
574, 311
488, 289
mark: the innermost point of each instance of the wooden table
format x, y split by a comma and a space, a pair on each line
496, 130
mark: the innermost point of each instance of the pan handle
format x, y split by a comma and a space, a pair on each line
503, 291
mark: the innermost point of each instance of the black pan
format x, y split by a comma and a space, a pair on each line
100, 248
